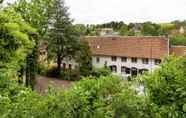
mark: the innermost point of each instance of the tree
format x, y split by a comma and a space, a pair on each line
63, 40
178, 40
81, 28
15, 42
124, 30
84, 59
37, 13
166, 88
151, 29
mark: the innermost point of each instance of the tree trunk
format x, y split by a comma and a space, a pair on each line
59, 62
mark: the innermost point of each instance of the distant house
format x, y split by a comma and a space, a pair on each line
107, 32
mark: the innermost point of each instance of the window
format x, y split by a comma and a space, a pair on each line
127, 70
157, 61
97, 59
113, 68
134, 60
124, 59
145, 60
114, 58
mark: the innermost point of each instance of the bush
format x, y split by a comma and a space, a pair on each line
53, 72
97, 72
42, 69
166, 88
88, 98
70, 74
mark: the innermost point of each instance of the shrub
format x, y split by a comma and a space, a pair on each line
42, 69
70, 74
166, 88
53, 72
97, 72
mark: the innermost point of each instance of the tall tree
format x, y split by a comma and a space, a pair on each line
63, 40
37, 14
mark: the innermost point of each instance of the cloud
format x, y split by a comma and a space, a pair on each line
99, 11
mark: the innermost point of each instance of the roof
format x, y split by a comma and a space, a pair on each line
178, 50
142, 47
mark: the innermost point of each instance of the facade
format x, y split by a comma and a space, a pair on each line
128, 56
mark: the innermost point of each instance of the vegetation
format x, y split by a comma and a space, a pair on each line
63, 40
16, 42
165, 88
101, 95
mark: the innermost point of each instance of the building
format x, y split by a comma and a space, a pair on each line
178, 51
128, 56
107, 32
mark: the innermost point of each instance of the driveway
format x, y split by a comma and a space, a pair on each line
42, 83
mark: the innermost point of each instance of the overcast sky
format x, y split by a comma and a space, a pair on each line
101, 11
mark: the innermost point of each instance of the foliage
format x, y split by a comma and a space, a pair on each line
36, 12
63, 40
151, 29
84, 59
166, 88
71, 75
42, 69
88, 98
15, 42
97, 72
178, 40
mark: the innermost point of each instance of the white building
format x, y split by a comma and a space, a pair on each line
128, 56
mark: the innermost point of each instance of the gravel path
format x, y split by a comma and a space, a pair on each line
42, 83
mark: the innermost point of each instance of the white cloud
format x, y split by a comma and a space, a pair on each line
99, 11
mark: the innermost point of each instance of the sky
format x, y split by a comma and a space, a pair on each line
102, 11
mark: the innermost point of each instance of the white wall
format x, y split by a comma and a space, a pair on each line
68, 61
139, 65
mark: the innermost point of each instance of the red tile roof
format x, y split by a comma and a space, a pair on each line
178, 50
141, 47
